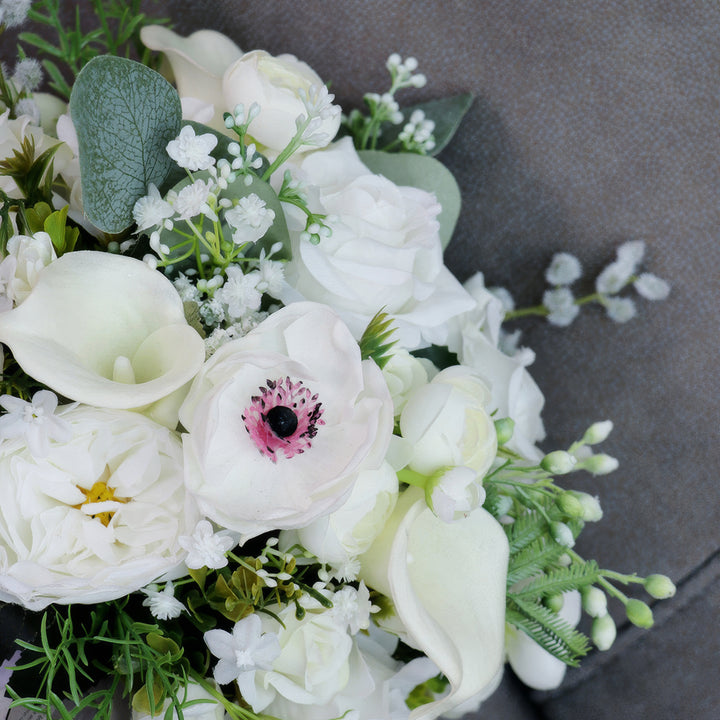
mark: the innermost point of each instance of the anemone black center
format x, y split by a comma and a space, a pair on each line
282, 421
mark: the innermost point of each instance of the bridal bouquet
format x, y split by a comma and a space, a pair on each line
261, 454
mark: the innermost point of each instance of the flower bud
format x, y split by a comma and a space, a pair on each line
558, 462
554, 602
594, 601
504, 505
592, 512
562, 534
603, 632
660, 587
600, 464
570, 505
504, 427
597, 432
639, 613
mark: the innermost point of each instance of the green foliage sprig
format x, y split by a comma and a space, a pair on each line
117, 32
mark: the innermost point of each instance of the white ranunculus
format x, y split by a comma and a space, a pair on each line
447, 585
280, 421
403, 373
98, 517
350, 530
447, 423
514, 393
384, 253
108, 331
536, 667
30, 254
274, 83
197, 65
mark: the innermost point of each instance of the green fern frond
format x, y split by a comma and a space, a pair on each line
375, 342
548, 630
526, 529
532, 560
561, 580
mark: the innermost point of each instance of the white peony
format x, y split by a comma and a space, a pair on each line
384, 252
98, 517
280, 421
447, 423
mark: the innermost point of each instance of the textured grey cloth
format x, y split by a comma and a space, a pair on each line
593, 124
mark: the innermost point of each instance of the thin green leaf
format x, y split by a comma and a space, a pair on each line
532, 560
561, 580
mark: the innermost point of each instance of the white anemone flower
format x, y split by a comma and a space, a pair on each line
281, 420
106, 330
96, 519
447, 584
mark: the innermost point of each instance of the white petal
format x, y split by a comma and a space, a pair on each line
87, 309
447, 583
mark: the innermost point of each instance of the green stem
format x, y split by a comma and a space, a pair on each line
288, 151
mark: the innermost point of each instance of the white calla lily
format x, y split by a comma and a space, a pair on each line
447, 584
105, 330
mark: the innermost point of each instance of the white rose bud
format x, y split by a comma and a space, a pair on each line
452, 493
562, 534
448, 425
592, 512
403, 373
31, 253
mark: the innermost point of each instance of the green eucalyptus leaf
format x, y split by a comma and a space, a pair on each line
421, 172
446, 113
125, 114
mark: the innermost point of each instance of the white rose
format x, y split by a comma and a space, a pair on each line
314, 660
447, 423
30, 254
447, 585
384, 252
106, 330
98, 517
281, 420
211, 71
274, 83
350, 530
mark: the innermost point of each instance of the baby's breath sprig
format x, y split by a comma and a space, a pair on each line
416, 135
316, 227
561, 307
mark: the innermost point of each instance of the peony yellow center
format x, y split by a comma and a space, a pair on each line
101, 492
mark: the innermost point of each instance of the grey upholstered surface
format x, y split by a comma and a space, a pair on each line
594, 123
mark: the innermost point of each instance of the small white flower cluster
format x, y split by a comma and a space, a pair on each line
385, 106
403, 73
565, 269
27, 75
620, 273
321, 114
417, 135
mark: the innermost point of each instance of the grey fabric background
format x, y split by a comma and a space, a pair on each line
594, 123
